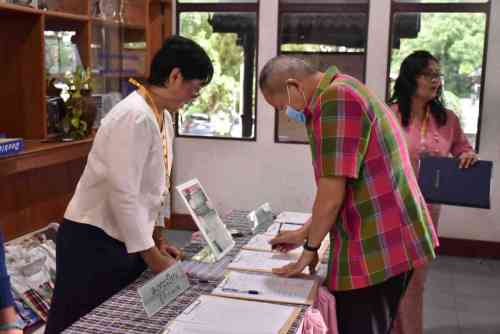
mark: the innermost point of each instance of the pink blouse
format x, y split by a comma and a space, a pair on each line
443, 141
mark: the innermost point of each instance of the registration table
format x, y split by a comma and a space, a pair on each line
124, 313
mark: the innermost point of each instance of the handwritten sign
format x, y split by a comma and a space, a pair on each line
162, 289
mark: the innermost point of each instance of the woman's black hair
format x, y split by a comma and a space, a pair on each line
185, 54
406, 87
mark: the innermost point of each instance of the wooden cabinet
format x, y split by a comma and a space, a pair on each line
36, 184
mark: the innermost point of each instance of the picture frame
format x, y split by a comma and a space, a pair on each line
213, 230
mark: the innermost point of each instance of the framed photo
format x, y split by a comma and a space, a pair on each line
207, 219
262, 216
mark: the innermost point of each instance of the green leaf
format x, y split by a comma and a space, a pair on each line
75, 122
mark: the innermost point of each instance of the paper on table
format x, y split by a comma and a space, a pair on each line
261, 261
216, 315
267, 287
274, 228
260, 242
291, 217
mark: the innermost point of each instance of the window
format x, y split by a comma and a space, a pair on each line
228, 32
325, 33
455, 33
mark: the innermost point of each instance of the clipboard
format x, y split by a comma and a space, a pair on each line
443, 182
261, 282
228, 308
261, 262
259, 243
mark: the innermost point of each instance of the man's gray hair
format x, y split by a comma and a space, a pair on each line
279, 69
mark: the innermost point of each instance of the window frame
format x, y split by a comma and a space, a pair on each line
448, 7
330, 8
245, 7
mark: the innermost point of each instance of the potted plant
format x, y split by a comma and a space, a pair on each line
80, 107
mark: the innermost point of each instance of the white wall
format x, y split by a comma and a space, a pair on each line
243, 175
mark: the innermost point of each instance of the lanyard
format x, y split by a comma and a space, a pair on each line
160, 119
424, 126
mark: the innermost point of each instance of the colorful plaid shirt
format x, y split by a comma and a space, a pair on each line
383, 228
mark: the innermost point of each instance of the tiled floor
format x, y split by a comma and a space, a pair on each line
463, 296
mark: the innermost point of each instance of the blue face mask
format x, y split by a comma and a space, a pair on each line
295, 115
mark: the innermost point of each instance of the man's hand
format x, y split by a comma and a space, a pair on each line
307, 259
287, 240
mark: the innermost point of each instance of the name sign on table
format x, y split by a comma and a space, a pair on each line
162, 289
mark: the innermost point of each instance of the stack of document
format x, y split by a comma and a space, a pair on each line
260, 243
270, 288
215, 315
256, 261
290, 217
276, 228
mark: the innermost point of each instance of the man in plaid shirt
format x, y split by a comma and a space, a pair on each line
367, 194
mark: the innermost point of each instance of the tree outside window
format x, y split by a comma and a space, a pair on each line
226, 107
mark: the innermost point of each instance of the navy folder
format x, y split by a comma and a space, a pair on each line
442, 181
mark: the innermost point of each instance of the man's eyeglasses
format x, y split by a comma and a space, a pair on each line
431, 76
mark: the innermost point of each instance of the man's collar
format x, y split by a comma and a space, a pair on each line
324, 83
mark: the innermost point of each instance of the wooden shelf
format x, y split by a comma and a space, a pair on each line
119, 75
37, 154
65, 16
39, 182
5, 7
63, 21
118, 24
16, 9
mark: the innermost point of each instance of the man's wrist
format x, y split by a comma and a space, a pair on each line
310, 248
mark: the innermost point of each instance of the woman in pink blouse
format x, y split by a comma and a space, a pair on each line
430, 129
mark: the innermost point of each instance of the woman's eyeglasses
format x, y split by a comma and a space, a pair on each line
432, 76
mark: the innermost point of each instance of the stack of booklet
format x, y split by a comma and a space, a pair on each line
31, 264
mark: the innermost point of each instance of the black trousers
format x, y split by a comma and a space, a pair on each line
91, 267
370, 310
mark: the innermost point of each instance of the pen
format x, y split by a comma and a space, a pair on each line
279, 230
250, 292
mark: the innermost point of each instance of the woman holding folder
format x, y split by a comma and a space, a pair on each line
112, 227
430, 129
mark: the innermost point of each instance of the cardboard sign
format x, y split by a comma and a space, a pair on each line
162, 289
